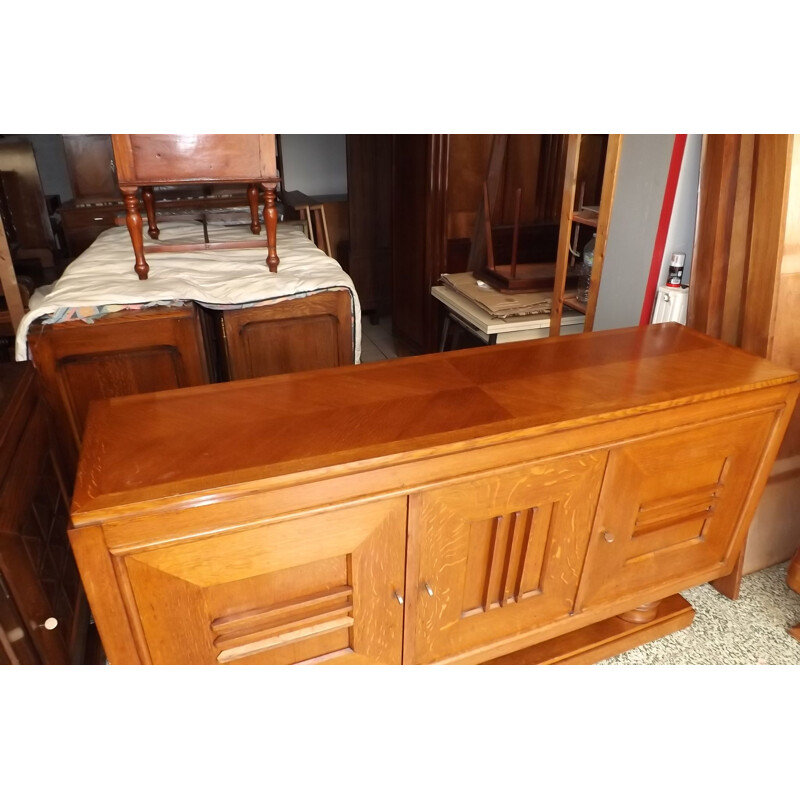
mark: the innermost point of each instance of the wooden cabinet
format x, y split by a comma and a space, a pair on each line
461, 507
498, 554
128, 352
45, 613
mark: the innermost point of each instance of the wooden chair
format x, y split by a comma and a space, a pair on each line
310, 210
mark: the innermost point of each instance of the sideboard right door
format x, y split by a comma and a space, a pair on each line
669, 508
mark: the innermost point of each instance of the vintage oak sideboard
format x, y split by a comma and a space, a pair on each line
534, 502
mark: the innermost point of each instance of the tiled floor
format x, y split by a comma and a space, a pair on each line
376, 340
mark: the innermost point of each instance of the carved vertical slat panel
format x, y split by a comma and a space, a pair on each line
483, 548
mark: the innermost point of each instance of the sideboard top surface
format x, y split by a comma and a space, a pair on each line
158, 446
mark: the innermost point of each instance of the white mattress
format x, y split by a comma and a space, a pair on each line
104, 275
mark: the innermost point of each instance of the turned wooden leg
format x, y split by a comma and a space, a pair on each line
150, 209
645, 613
271, 219
133, 219
252, 199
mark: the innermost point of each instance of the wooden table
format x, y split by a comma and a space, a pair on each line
496, 330
148, 160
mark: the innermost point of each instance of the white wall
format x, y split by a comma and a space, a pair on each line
643, 167
315, 164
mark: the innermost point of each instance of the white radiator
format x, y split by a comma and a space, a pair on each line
671, 304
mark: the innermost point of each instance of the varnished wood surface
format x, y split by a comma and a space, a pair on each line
125, 353
194, 157
38, 572
300, 334
207, 437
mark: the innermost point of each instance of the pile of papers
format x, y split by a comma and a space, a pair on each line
498, 304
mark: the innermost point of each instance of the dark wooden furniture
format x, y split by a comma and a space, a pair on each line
43, 611
369, 198
451, 508
293, 335
123, 353
437, 185
30, 229
144, 161
97, 203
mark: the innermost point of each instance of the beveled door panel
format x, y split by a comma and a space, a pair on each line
670, 507
322, 588
495, 556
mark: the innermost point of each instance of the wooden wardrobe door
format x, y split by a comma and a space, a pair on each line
669, 508
327, 587
494, 556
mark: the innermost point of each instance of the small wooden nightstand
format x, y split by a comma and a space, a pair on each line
148, 160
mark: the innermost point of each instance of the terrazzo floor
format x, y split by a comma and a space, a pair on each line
750, 630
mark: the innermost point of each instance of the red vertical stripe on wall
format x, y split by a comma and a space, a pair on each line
663, 227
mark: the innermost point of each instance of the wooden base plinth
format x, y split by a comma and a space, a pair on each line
605, 639
795, 632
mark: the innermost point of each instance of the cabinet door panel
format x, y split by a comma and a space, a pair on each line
670, 507
501, 554
320, 588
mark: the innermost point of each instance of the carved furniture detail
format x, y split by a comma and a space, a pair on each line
43, 610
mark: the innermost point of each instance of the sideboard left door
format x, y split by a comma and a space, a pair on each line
326, 587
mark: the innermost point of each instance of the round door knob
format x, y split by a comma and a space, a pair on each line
608, 536
428, 589
49, 624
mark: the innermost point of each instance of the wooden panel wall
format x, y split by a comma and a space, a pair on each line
745, 290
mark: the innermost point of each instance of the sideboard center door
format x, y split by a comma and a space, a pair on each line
497, 555
326, 587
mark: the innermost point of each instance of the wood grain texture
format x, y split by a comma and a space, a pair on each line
312, 332
399, 407
125, 353
148, 160
469, 554
451, 508
193, 609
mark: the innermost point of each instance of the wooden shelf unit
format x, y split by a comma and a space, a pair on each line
571, 217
